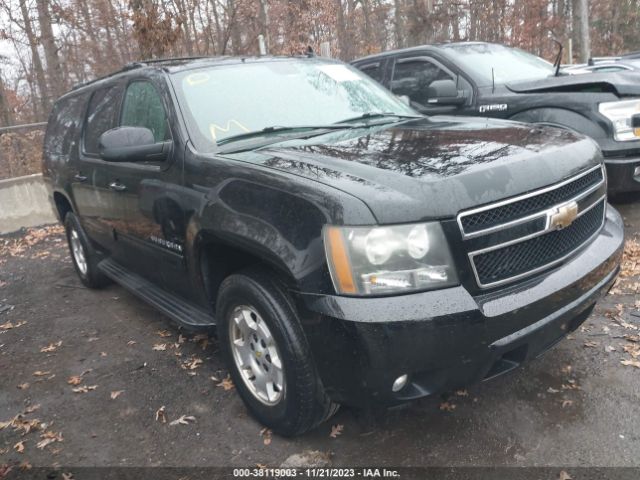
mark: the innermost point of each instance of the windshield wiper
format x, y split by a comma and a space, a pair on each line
370, 115
278, 129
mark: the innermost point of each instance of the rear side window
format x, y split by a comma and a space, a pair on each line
64, 126
143, 107
101, 116
374, 70
412, 79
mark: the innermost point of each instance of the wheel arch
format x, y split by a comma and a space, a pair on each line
63, 204
562, 118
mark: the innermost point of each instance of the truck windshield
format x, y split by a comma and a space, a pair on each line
508, 64
222, 101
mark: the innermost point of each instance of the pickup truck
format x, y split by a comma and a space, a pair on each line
344, 248
491, 80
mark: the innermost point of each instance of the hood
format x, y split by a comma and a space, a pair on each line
433, 168
621, 83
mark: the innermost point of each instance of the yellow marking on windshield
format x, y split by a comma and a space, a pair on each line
213, 128
197, 78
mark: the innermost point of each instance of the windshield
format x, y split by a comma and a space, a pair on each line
508, 64
229, 100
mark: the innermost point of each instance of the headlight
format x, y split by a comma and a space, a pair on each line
620, 113
390, 259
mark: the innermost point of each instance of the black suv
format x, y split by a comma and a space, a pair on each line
485, 79
346, 249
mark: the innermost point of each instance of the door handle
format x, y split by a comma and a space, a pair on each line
80, 178
117, 186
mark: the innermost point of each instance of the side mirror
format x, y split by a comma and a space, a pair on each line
444, 92
132, 144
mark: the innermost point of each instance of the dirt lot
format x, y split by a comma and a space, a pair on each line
95, 373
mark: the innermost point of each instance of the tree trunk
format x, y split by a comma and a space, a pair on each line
6, 115
54, 69
585, 39
263, 15
45, 101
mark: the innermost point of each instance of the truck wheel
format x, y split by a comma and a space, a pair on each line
85, 258
268, 356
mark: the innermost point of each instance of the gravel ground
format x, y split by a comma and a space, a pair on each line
131, 368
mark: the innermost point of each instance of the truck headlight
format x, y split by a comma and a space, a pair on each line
389, 259
620, 113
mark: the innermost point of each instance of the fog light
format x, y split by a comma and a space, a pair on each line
399, 383
636, 172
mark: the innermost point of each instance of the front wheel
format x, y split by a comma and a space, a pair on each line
268, 356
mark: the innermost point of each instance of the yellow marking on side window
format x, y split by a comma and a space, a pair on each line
230, 124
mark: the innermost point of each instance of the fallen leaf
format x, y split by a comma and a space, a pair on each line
31, 408
116, 394
183, 420
23, 386
192, 364
131, 342
24, 466
51, 347
336, 431
566, 369
19, 447
164, 333
75, 380
265, 433
462, 393
567, 403
564, 476
84, 389
226, 383
447, 407
8, 325
48, 438
631, 363
38, 373
160, 347
591, 344
181, 339
552, 390
161, 415
103, 354
609, 348
67, 476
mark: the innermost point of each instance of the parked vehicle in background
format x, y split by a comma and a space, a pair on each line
600, 67
485, 79
345, 248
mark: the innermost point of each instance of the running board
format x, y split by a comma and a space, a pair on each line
174, 307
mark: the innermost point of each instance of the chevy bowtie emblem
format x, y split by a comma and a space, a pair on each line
563, 216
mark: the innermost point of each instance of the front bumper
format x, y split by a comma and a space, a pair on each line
448, 339
623, 174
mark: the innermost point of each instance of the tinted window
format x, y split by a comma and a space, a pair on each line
101, 116
64, 125
143, 108
414, 77
374, 70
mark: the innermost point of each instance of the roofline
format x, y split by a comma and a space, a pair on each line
431, 46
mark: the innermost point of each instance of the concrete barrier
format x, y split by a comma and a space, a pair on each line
24, 202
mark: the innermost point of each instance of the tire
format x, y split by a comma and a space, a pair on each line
84, 257
301, 403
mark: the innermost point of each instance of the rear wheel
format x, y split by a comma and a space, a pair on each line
268, 356
85, 258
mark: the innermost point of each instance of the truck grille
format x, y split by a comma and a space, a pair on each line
531, 255
489, 218
516, 238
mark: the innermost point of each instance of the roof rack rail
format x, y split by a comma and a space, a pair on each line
134, 65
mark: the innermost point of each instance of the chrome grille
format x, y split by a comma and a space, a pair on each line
519, 237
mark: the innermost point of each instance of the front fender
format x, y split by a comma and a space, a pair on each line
563, 118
